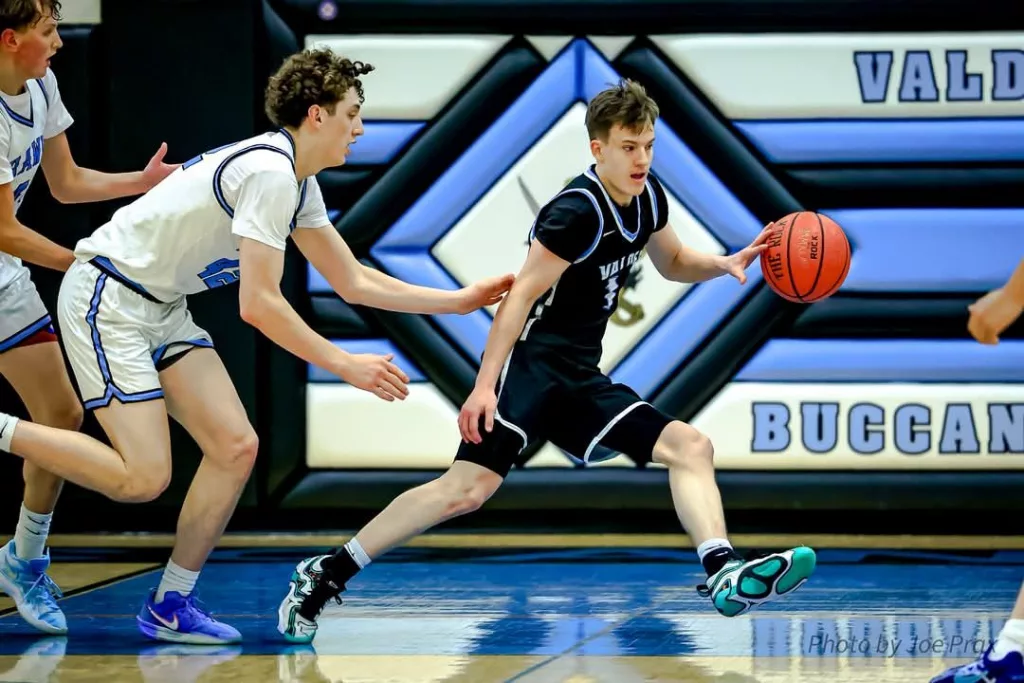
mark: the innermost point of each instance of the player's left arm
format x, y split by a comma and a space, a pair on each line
73, 184
358, 284
678, 262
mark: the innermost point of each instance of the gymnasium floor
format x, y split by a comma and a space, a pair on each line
556, 608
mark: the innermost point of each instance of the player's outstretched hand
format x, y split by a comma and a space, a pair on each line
481, 403
991, 314
737, 264
486, 292
376, 374
156, 170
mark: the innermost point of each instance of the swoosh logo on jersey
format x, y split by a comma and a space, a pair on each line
173, 624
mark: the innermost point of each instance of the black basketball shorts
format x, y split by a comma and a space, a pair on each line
545, 393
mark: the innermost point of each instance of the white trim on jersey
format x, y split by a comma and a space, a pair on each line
654, 202
615, 212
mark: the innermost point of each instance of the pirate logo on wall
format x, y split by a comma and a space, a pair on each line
627, 313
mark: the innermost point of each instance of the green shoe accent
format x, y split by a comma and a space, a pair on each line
804, 562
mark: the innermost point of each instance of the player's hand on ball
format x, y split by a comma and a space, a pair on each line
737, 264
156, 170
376, 374
486, 292
991, 314
482, 402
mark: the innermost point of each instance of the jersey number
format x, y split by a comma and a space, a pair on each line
221, 272
20, 190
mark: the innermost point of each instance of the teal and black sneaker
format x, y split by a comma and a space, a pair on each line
741, 585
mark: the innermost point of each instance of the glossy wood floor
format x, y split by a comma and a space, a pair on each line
572, 614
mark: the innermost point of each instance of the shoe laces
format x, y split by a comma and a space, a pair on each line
45, 590
196, 609
322, 593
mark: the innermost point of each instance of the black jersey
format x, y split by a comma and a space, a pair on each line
602, 241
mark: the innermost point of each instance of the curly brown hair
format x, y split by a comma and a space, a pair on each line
313, 76
626, 104
20, 14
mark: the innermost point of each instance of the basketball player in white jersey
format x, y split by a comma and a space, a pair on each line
224, 216
1003, 660
32, 124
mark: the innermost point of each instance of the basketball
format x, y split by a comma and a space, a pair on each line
807, 258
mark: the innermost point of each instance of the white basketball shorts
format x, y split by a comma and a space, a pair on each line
22, 312
118, 340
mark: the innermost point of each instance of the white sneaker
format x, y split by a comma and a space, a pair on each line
32, 590
308, 583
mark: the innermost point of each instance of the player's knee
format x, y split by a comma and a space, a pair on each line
237, 450
681, 445
144, 486
469, 495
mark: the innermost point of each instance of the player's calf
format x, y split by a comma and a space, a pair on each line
465, 487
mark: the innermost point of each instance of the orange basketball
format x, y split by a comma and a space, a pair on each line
807, 258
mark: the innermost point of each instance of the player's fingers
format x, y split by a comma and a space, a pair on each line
381, 394
463, 432
474, 425
397, 372
390, 387
489, 419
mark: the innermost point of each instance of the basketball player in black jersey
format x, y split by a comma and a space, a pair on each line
539, 376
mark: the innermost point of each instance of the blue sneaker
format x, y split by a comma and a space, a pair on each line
34, 593
180, 619
741, 585
1009, 669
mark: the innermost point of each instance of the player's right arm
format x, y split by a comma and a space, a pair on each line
540, 272
25, 243
564, 232
997, 310
261, 219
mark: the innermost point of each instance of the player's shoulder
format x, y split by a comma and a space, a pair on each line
576, 198
265, 156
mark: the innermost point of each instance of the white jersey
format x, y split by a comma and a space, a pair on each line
26, 120
182, 237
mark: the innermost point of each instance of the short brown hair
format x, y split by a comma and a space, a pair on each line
20, 14
626, 104
314, 76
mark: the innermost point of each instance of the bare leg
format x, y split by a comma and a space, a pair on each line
462, 489
136, 469
38, 376
689, 456
202, 398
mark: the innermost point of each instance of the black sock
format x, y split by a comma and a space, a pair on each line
341, 567
716, 559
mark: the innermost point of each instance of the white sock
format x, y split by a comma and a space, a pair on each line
712, 544
30, 536
178, 580
1011, 639
359, 555
7, 425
